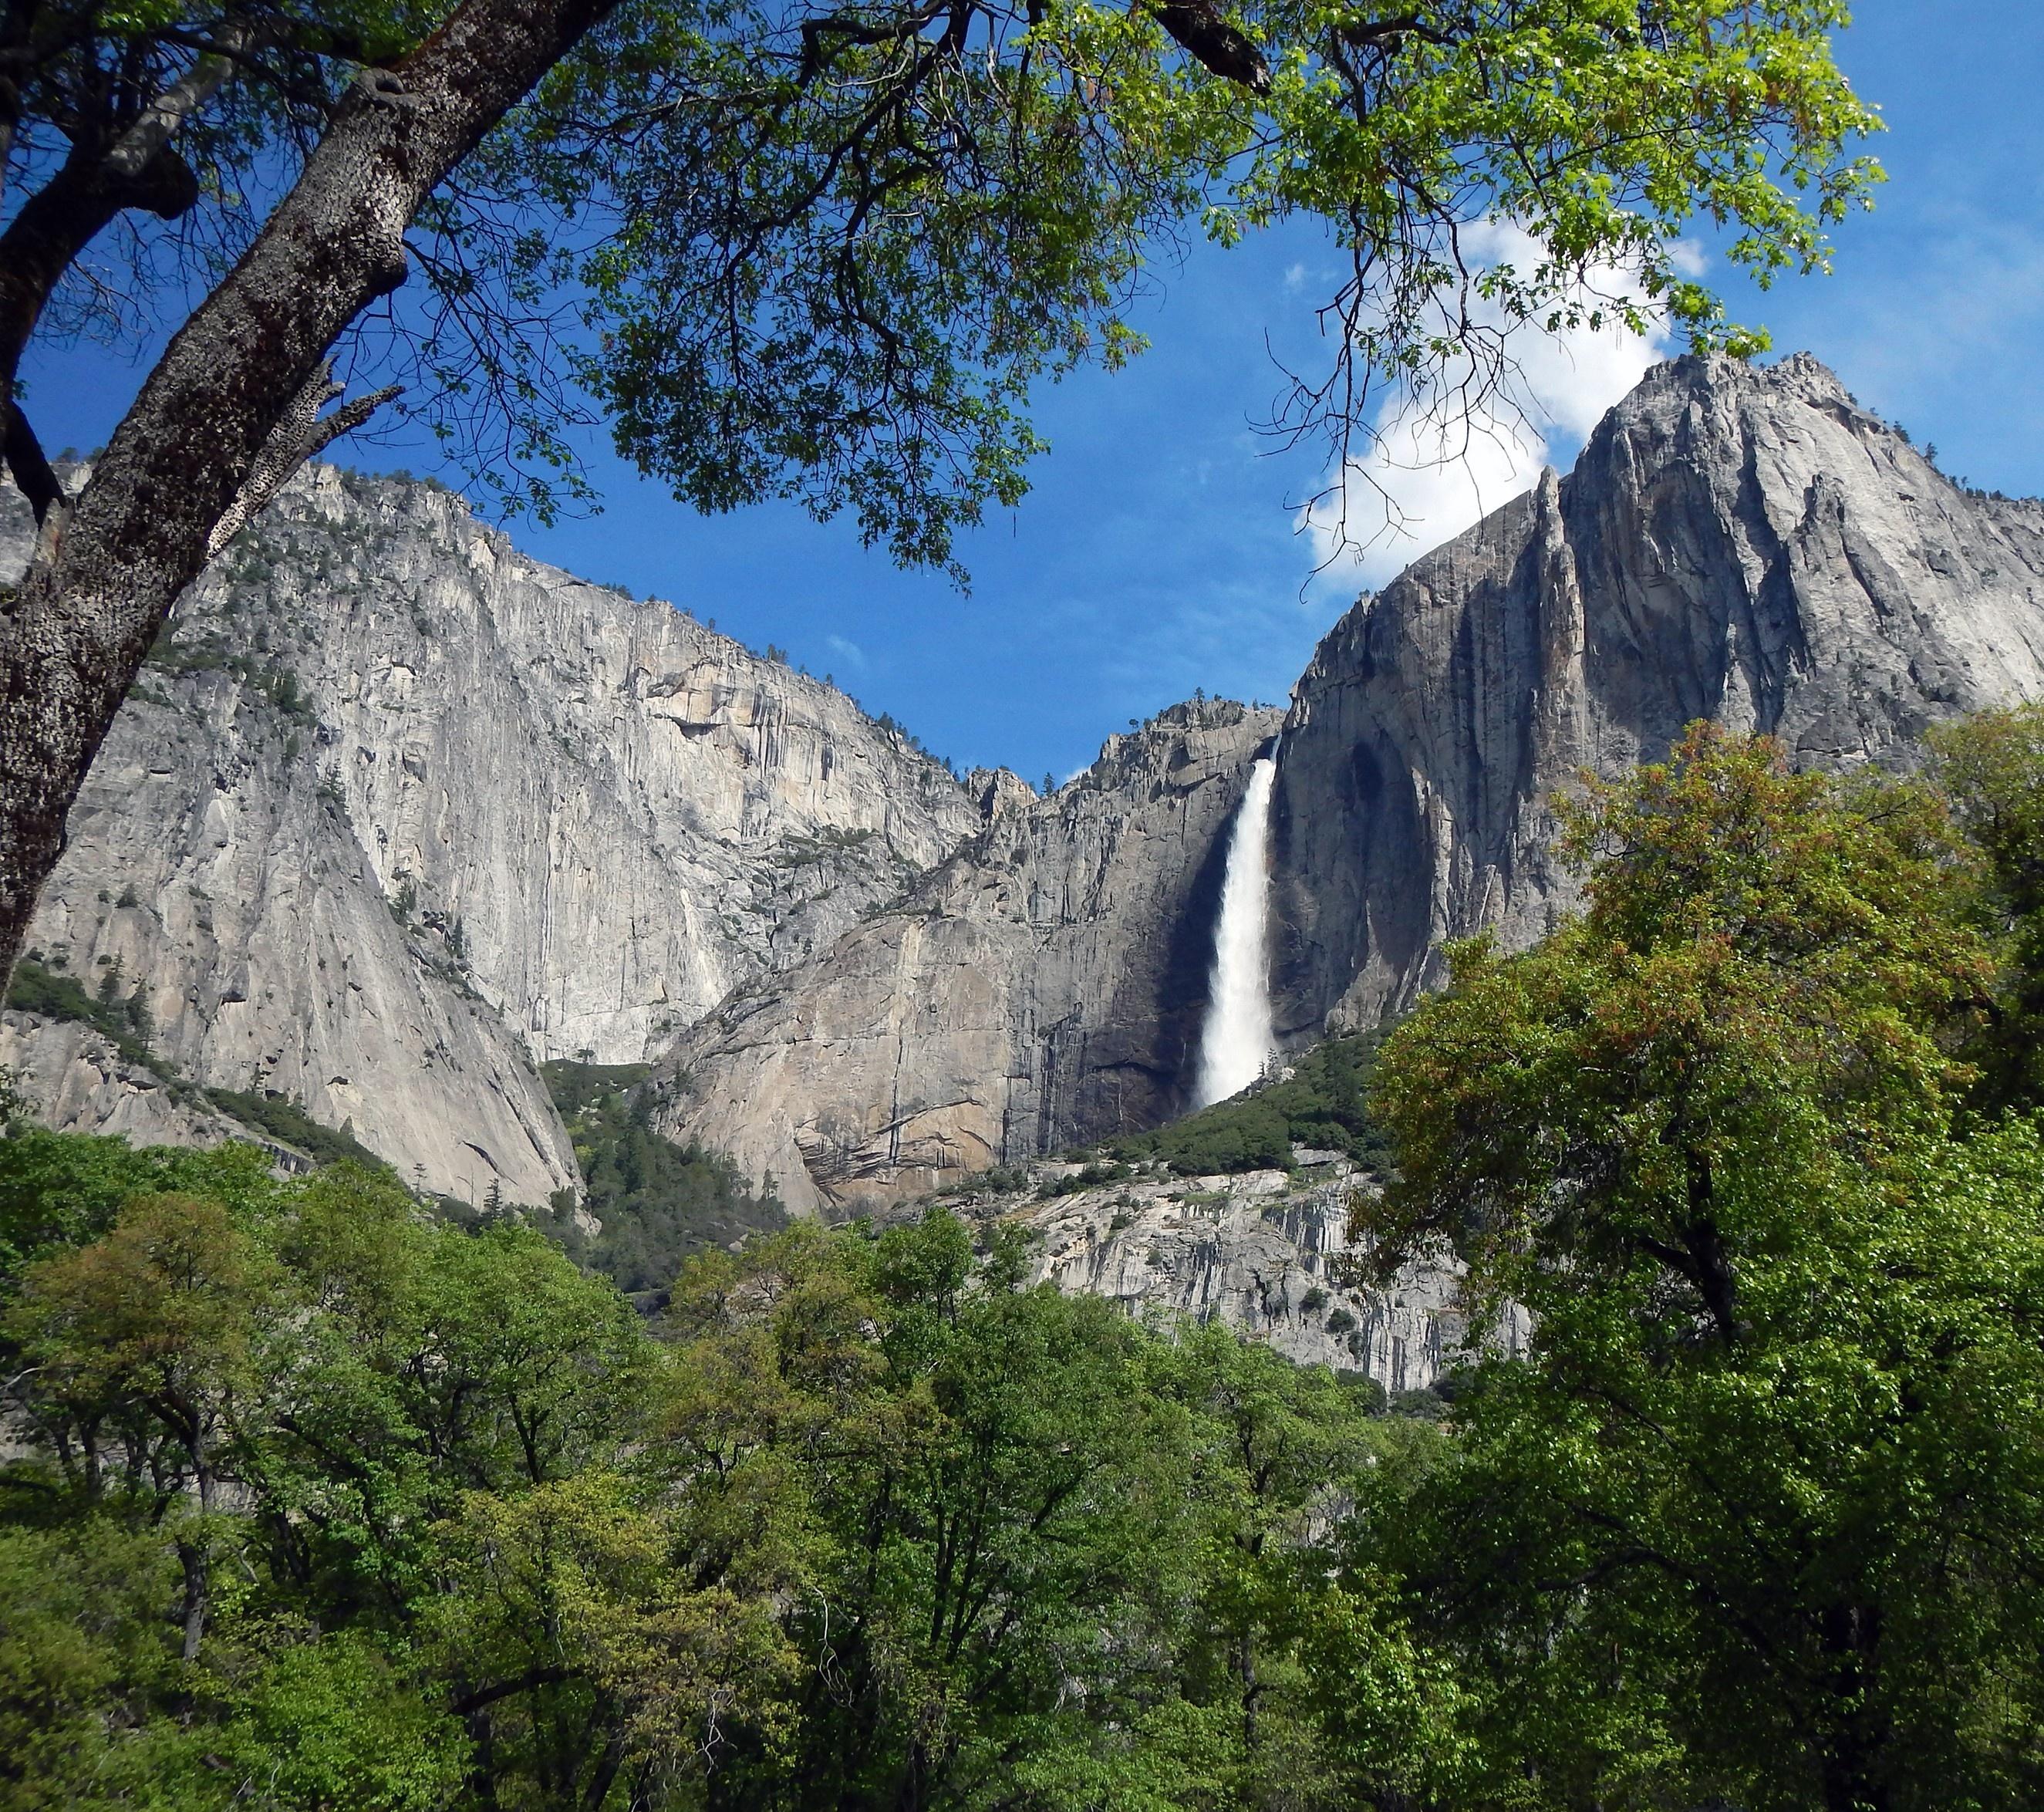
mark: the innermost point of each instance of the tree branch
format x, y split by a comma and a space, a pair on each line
94, 184
1199, 29
27, 464
170, 110
529, 1681
73, 634
301, 435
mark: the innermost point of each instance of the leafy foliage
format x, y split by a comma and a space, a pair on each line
1754, 1524
125, 1023
824, 252
58, 1191
828, 251
658, 1202
320, 1503
1322, 1104
1987, 768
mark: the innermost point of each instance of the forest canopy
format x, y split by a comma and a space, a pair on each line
332, 1507
316, 1502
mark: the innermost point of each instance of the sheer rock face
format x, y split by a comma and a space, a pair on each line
1743, 544
401, 811
1265, 1254
1045, 985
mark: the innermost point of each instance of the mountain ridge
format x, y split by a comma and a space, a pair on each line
396, 813
1739, 543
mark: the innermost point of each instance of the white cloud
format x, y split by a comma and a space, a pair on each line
1295, 278
845, 650
1431, 473
1689, 258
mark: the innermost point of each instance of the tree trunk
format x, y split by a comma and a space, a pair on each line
1855, 1759
195, 1556
74, 634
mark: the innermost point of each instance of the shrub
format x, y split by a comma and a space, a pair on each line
290, 1124
658, 1202
1091, 1176
125, 1024
1323, 1103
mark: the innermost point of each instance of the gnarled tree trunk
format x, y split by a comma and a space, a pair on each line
73, 634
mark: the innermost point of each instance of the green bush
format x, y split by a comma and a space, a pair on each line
290, 1124
1322, 1104
123, 1022
1091, 1176
658, 1202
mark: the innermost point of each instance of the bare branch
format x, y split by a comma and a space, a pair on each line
171, 109
302, 434
1200, 29
29, 466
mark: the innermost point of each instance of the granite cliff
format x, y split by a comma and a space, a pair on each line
1741, 543
396, 812
1737, 543
1043, 988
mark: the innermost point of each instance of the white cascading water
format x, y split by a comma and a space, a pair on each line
1237, 1041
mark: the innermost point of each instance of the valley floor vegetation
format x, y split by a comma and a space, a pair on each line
1321, 1102
314, 1501
656, 1202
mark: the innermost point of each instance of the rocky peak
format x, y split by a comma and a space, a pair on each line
1737, 543
996, 790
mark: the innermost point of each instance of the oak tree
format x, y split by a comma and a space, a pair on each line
820, 249
1751, 1522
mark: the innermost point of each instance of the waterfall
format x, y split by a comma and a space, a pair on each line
1236, 1041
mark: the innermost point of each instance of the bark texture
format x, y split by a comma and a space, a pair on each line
73, 634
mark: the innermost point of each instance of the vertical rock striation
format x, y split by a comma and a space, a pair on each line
1734, 543
1045, 985
397, 811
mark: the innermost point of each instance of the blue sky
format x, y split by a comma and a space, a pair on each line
1158, 551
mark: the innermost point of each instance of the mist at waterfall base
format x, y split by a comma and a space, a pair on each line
1237, 1041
